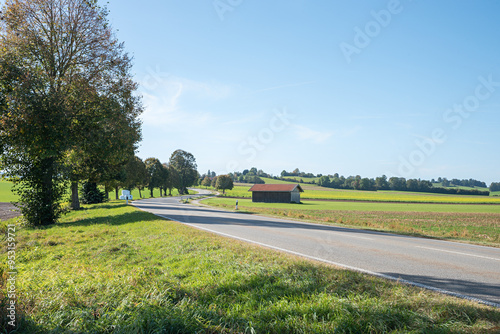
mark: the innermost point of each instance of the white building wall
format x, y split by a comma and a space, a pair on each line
296, 196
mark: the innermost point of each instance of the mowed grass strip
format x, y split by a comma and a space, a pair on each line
114, 269
469, 223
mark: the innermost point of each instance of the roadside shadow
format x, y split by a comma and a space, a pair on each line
460, 288
104, 206
202, 216
121, 219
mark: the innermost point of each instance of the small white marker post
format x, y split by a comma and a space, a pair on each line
236, 204
126, 195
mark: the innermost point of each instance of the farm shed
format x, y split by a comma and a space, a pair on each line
276, 193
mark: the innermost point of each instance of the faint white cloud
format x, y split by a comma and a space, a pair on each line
406, 126
472, 142
369, 117
283, 86
304, 133
348, 132
438, 170
254, 117
172, 100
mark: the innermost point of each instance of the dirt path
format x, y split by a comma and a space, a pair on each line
8, 211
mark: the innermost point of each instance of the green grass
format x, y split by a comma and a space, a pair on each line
6, 194
460, 187
366, 206
315, 192
478, 224
114, 269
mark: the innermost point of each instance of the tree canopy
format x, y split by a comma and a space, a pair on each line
184, 168
68, 109
224, 182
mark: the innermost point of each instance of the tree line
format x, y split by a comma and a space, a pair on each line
371, 184
69, 111
393, 183
180, 172
221, 182
460, 183
495, 186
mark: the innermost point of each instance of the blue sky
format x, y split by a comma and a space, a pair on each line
402, 88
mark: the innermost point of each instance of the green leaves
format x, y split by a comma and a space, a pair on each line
184, 166
66, 95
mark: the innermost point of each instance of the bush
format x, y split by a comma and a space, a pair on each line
91, 194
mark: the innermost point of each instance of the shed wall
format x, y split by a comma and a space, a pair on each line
295, 196
271, 197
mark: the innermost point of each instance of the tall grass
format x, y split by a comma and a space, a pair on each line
114, 269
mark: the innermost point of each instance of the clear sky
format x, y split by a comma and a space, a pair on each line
401, 88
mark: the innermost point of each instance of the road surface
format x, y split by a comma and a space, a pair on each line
462, 270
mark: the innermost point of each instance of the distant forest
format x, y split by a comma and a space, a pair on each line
336, 181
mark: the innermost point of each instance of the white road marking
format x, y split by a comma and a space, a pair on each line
459, 253
392, 278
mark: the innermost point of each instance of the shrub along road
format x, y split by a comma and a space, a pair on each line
463, 270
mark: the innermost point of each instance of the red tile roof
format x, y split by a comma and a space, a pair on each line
276, 187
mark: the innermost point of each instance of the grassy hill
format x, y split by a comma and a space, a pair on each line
440, 185
320, 193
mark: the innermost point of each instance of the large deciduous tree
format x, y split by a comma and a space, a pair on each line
206, 182
224, 182
62, 72
185, 170
136, 175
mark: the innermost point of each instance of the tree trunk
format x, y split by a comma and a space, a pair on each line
116, 193
140, 194
75, 201
47, 209
106, 192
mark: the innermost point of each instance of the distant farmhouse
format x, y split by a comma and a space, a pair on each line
276, 193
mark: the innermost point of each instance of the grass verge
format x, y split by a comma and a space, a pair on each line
113, 269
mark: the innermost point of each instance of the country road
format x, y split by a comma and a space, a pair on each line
462, 270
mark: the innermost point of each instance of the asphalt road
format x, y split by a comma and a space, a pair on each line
462, 270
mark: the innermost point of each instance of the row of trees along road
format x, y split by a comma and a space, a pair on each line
221, 182
180, 173
68, 109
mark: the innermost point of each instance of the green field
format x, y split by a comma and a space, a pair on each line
460, 222
316, 192
6, 194
366, 206
114, 269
